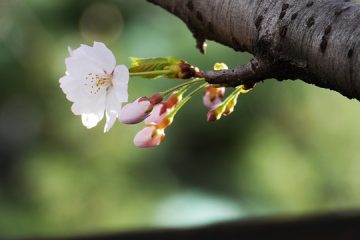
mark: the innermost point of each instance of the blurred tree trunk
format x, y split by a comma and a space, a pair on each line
316, 41
341, 226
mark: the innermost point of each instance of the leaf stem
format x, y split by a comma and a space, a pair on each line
187, 98
158, 72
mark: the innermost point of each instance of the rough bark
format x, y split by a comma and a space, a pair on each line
315, 41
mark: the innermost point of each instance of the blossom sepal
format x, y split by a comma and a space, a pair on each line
246, 87
216, 113
230, 106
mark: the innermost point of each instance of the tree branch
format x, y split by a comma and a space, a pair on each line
322, 227
316, 41
247, 74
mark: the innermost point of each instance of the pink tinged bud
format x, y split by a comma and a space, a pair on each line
211, 117
158, 112
136, 111
149, 137
213, 96
211, 103
215, 113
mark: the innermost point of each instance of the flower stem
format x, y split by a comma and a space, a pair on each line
169, 91
158, 72
187, 98
232, 95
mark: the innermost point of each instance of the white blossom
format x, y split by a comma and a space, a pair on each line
95, 84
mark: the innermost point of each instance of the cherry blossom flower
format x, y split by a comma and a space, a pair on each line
95, 84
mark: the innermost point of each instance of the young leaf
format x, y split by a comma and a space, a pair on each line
140, 65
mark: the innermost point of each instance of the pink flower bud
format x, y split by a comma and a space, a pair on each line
211, 116
215, 113
213, 96
157, 114
210, 103
149, 136
136, 111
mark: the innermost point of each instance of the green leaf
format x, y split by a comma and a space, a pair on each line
139, 65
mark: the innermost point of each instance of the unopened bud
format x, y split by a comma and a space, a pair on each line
158, 112
136, 111
149, 136
216, 113
213, 96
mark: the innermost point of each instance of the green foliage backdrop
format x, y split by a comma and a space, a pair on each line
289, 148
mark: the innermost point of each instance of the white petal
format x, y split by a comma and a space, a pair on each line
90, 120
89, 105
66, 82
120, 82
110, 120
99, 54
113, 107
105, 56
70, 51
77, 108
70, 87
79, 67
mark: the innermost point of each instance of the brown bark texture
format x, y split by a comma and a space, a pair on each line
315, 41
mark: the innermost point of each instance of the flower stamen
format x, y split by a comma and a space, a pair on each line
97, 81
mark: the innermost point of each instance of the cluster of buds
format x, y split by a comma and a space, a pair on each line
158, 113
214, 98
155, 113
227, 106
96, 86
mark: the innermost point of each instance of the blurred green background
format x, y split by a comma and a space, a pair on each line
288, 149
